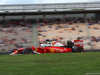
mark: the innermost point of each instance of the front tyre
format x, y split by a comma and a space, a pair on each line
27, 51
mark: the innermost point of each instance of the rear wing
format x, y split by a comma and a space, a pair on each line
78, 43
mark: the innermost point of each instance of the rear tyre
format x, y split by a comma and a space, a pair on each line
27, 51
77, 49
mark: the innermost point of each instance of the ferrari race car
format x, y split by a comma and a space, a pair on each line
51, 47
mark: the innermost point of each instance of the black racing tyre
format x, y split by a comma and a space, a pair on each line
77, 49
27, 51
11, 51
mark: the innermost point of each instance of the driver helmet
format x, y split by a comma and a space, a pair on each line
48, 42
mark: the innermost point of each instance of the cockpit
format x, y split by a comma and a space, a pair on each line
54, 43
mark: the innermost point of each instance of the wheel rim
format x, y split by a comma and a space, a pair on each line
79, 50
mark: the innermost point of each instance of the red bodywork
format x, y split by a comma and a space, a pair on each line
51, 49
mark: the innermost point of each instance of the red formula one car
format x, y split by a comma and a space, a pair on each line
51, 47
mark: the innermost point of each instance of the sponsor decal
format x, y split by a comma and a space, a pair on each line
64, 48
35, 49
52, 50
57, 51
78, 43
53, 43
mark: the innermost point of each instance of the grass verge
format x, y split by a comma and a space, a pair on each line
50, 64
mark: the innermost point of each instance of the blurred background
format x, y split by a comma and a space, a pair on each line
26, 25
